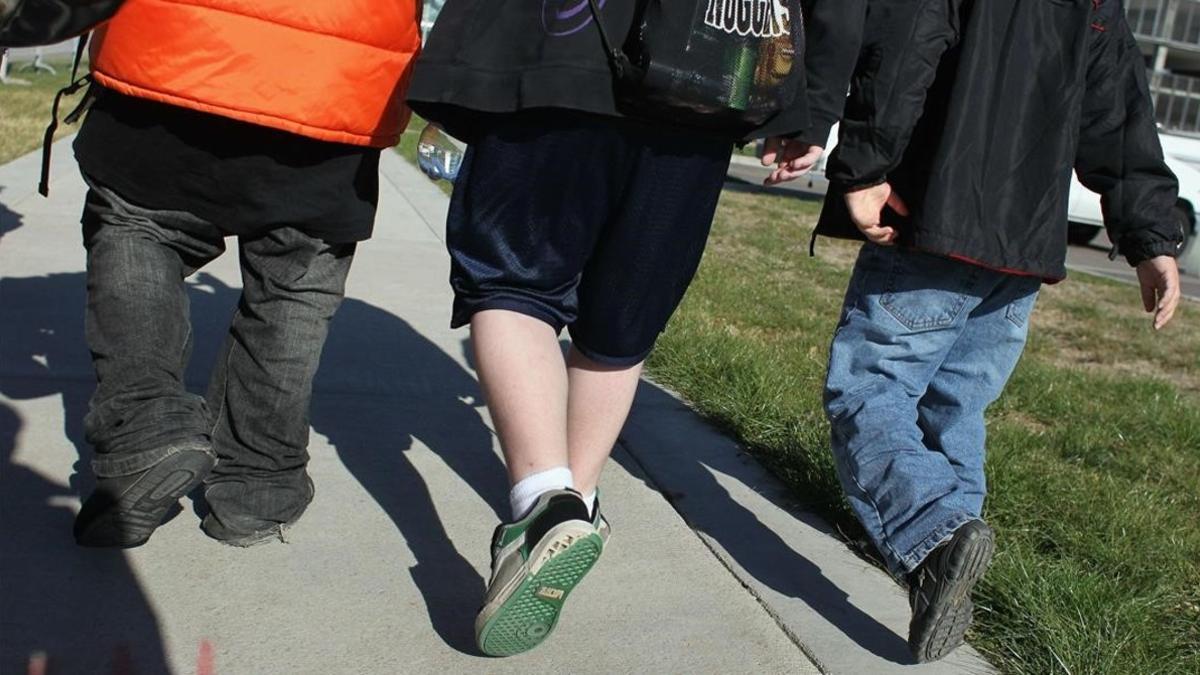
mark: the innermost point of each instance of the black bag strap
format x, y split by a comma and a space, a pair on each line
622, 66
76, 84
79, 50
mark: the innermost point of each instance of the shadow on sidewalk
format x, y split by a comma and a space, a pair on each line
381, 386
42, 344
9, 220
688, 482
83, 608
686, 472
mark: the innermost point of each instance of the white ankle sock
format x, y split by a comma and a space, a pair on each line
590, 500
526, 492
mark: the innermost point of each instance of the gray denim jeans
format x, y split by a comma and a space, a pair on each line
138, 328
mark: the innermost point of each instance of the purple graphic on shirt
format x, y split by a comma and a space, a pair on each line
566, 17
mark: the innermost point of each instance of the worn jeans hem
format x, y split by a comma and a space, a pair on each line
940, 535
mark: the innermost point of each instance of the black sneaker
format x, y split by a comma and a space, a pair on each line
123, 511
940, 591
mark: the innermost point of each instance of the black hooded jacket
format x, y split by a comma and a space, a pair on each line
977, 111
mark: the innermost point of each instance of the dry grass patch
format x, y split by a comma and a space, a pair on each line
1099, 324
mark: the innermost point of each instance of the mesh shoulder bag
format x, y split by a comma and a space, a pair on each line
721, 66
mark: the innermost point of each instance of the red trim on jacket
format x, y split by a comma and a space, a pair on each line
1002, 270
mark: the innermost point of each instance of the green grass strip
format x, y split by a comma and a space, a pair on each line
1094, 450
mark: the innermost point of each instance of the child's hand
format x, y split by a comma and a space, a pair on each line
1159, 278
792, 159
866, 210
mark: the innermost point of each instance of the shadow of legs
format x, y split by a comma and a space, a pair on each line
84, 609
383, 386
710, 509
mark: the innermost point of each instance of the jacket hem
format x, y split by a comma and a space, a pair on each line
952, 248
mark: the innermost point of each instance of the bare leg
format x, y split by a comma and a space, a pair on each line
599, 401
524, 379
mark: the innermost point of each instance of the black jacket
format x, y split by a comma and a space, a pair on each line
503, 56
976, 111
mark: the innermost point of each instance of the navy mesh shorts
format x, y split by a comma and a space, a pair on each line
592, 223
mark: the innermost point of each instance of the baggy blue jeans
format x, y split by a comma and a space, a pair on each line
924, 345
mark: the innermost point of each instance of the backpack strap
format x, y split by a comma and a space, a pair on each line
76, 84
622, 67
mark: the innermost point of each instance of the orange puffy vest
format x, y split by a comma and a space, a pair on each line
333, 70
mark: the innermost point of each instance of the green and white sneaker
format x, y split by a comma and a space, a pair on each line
536, 562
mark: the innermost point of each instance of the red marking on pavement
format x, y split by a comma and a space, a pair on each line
204, 660
122, 661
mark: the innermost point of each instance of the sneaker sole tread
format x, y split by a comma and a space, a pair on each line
526, 617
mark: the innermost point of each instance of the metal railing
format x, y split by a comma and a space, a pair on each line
1173, 22
1176, 102
1171, 25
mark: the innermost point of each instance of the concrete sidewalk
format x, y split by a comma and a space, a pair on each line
710, 569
